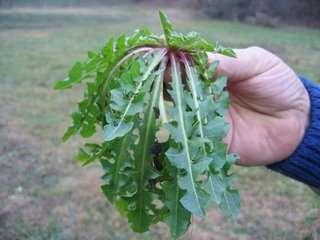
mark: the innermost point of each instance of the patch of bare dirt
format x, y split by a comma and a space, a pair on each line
40, 182
23, 174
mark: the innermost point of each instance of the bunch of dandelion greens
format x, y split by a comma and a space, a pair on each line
162, 151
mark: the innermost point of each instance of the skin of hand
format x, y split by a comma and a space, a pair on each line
269, 106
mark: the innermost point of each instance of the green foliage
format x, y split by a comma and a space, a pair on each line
147, 176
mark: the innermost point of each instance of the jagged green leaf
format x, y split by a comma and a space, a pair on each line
113, 130
212, 126
194, 199
115, 166
230, 203
166, 27
141, 218
178, 218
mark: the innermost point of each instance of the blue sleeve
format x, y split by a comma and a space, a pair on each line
304, 164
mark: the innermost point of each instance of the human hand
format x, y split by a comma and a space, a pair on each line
269, 106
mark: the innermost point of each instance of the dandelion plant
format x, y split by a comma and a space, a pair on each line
158, 107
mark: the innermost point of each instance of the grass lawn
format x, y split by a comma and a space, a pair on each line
45, 194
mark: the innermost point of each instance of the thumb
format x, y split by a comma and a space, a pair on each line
248, 63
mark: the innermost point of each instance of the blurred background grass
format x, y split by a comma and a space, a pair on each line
45, 194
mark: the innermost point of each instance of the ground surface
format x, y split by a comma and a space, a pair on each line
44, 194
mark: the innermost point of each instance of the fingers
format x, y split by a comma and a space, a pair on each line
248, 63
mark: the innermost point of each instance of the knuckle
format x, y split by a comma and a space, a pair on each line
258, 53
